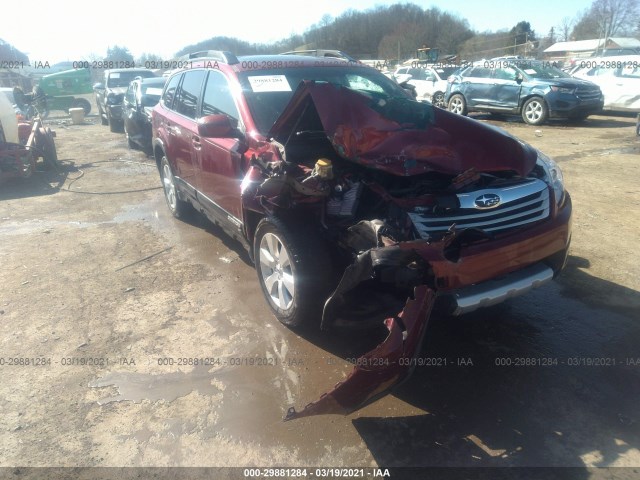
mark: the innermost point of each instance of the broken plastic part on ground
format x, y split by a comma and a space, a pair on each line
384, 367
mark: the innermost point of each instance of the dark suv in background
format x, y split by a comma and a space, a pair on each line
110, 93
536, 90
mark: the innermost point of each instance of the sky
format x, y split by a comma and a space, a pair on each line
77, 30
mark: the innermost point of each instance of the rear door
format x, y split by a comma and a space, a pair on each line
218, 160
476, 86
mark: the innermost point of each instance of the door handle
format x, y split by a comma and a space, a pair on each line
195, 140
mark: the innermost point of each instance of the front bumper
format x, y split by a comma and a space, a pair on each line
115, 111
495, 258
480, 274
570, 106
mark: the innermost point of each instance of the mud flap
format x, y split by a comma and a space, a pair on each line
384, 367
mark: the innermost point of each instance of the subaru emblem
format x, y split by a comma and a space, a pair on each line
487, 200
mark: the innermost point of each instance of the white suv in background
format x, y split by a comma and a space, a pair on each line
430, 81
617, 77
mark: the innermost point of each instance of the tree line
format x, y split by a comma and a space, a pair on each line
394, 32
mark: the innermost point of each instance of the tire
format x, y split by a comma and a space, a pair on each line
535, 111
438, 100
132, 145
293, 270
457, 104
49, 152
178, 208
103, 120
82, 103
114, 126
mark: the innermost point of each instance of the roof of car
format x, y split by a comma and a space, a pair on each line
267, 62
120, 70
148, 80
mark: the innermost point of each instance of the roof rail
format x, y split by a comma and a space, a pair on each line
219, 55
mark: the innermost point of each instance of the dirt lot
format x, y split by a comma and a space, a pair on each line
112, 299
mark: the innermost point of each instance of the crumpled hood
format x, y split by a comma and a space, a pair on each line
400, 136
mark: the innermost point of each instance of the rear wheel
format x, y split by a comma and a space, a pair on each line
49, 153
83, 104
178, 208
438, 100
457, 104
535, 111
293, 270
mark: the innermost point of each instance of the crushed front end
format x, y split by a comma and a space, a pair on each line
416, 205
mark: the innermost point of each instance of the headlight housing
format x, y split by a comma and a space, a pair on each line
114, 99
558, 89
553, 175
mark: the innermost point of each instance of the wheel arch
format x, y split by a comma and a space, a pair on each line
531, 95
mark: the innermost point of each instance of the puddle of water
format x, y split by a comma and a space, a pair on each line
137, 387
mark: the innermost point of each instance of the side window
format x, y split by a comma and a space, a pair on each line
416, 73
131, 94
429, 76
170, 91
507, 73
217, 97
188, 95
357, 82
479, 72
630, 71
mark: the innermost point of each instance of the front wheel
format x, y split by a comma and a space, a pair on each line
130, 143
293, 270
535, 111
115, 126
457, 104
101, 114
50, 154
178, 208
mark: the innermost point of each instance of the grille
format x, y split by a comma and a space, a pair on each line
588, 93
520, 205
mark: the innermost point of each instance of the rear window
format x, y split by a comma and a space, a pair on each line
123, 79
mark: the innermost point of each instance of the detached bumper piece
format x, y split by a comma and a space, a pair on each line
384, 367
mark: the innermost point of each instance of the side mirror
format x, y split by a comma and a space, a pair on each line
98, 86
519, 78
217, 126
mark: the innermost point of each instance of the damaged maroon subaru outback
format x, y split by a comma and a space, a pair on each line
357, 203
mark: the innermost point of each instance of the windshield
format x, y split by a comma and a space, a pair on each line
151, 92
123, 79
268, 91
445, 72
541, 71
